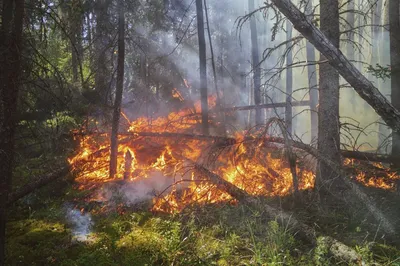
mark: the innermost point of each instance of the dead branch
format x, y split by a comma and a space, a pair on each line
347, 70
305, 232
358, 155
38, 183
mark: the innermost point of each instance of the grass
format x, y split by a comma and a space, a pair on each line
40, 234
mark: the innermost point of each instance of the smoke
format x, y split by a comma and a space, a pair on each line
137, 191
145, 189
81, 223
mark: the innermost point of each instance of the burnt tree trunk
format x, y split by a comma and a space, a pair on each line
328, 111
394, 21
346, 69
255, 58
312, 80
119, 89
10, 72
203, 67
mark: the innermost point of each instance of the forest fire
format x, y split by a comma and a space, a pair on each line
145, 151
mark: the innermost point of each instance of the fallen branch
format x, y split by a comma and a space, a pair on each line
346, 69
365, 156
305, 232
38, 183
265, 106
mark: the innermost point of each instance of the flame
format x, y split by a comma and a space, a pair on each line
248, 165
177, 94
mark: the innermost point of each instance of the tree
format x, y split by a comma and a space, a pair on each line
365, 89
312, 80
10, 75
289, 79
394, 21
119, 89
203, 66
255, 58
101, 52
328, 110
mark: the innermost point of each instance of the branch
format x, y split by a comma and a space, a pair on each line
350, 73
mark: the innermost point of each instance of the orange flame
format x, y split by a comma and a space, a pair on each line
248, 166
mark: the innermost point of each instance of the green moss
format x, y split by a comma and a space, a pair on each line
36, 242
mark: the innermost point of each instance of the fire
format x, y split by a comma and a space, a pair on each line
381, 177
177, 94
248, 165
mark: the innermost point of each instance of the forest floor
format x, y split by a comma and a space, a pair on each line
58, 226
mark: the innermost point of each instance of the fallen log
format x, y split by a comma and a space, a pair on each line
38, 183
265, 106
305, 232
346, 69
364, 156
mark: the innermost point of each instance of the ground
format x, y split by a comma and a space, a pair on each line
58, 226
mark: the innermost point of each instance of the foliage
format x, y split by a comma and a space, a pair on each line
380, 72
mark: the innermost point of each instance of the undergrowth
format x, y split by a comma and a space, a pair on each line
40, 234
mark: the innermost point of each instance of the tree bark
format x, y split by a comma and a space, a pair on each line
350, 45
394, 21
349, 72
101, 52
119, 89
10, 75
76, 19
328, 110
312, 79
289, 80
255, 58
203, 66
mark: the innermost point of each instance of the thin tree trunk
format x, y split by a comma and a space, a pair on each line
350, 44
119, 89
349, 72
394, 21
255, 62
312, 80
219, 99
10, 72
203, 67
289, 80
328, 111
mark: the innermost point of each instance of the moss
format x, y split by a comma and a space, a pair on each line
36, 242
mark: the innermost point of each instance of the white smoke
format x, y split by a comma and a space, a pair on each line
137, 191
81, 223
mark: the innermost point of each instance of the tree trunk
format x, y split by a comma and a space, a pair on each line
289, 80
349, 45
10, 72
76, 20
255, 62
220, 104
119, 89
101, 49
394, 21
203, 67
328, 111
349, 72
312, 80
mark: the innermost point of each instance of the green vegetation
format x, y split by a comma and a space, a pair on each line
210, 235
